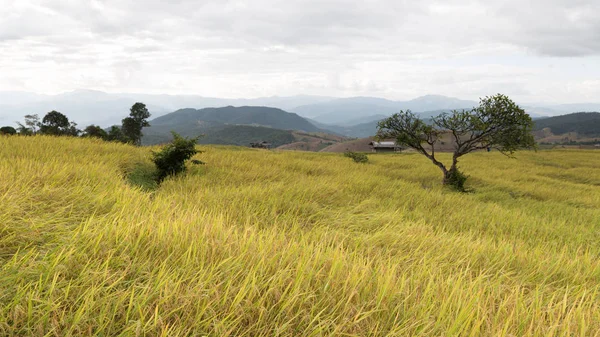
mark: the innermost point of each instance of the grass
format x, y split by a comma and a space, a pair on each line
267, 243
144, 175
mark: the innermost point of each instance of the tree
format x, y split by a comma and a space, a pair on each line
73, 130
132, 125
55, 123
496, 123
170, 160
31, 127
8, 130
95, 131
115, 134
23, 130
33, 123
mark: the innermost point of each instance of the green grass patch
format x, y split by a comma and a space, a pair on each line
143, 175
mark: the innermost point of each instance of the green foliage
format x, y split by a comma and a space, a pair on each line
24, 131
170, 160
8, 130
143, 175
32, 125
584, 123
496, 123
56, 124
115, 134
73, 130
132, 125
241, 135
357, 157
95, 131
455, 180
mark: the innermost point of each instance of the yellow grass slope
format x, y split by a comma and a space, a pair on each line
260, 243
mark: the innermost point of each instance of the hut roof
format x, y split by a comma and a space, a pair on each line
384, 144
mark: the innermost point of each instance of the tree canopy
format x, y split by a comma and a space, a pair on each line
497, 123
170, 160
95, 131
55, 123
8, 130
132, 125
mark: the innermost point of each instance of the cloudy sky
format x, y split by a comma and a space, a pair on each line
531, 50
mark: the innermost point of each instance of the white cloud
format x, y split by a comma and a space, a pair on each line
392, 48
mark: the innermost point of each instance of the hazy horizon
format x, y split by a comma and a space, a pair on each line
474, 98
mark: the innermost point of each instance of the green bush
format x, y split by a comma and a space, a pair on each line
8, 130
455, 180
171, 159
357, 157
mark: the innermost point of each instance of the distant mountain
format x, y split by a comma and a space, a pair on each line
260, 123
249, 115
363, 120
342, 110
368, 128
583, 123
96, 107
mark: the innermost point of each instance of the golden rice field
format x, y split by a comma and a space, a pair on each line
267, 243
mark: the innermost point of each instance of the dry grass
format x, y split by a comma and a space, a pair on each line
260, 243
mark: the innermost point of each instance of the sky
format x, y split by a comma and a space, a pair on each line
531, 50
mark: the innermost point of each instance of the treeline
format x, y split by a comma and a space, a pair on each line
55, 123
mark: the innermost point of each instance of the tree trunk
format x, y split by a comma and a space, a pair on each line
455, 179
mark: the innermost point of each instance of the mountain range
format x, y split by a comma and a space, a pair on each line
254, 122
341, 111
304, 121
96, 107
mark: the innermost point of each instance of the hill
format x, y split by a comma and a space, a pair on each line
229, 125
248, 115
446, 144
243, 135
311, 141
262, 243
355, 145
586, 124
96, 107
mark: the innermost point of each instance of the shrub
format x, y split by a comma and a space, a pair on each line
171, 159
455, 180
8, 130
357, 157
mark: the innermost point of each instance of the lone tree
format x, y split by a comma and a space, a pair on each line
57, 124
496, 123
132, 125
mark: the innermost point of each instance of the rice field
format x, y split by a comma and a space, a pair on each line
276, 243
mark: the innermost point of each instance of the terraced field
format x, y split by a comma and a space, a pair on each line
285, 243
